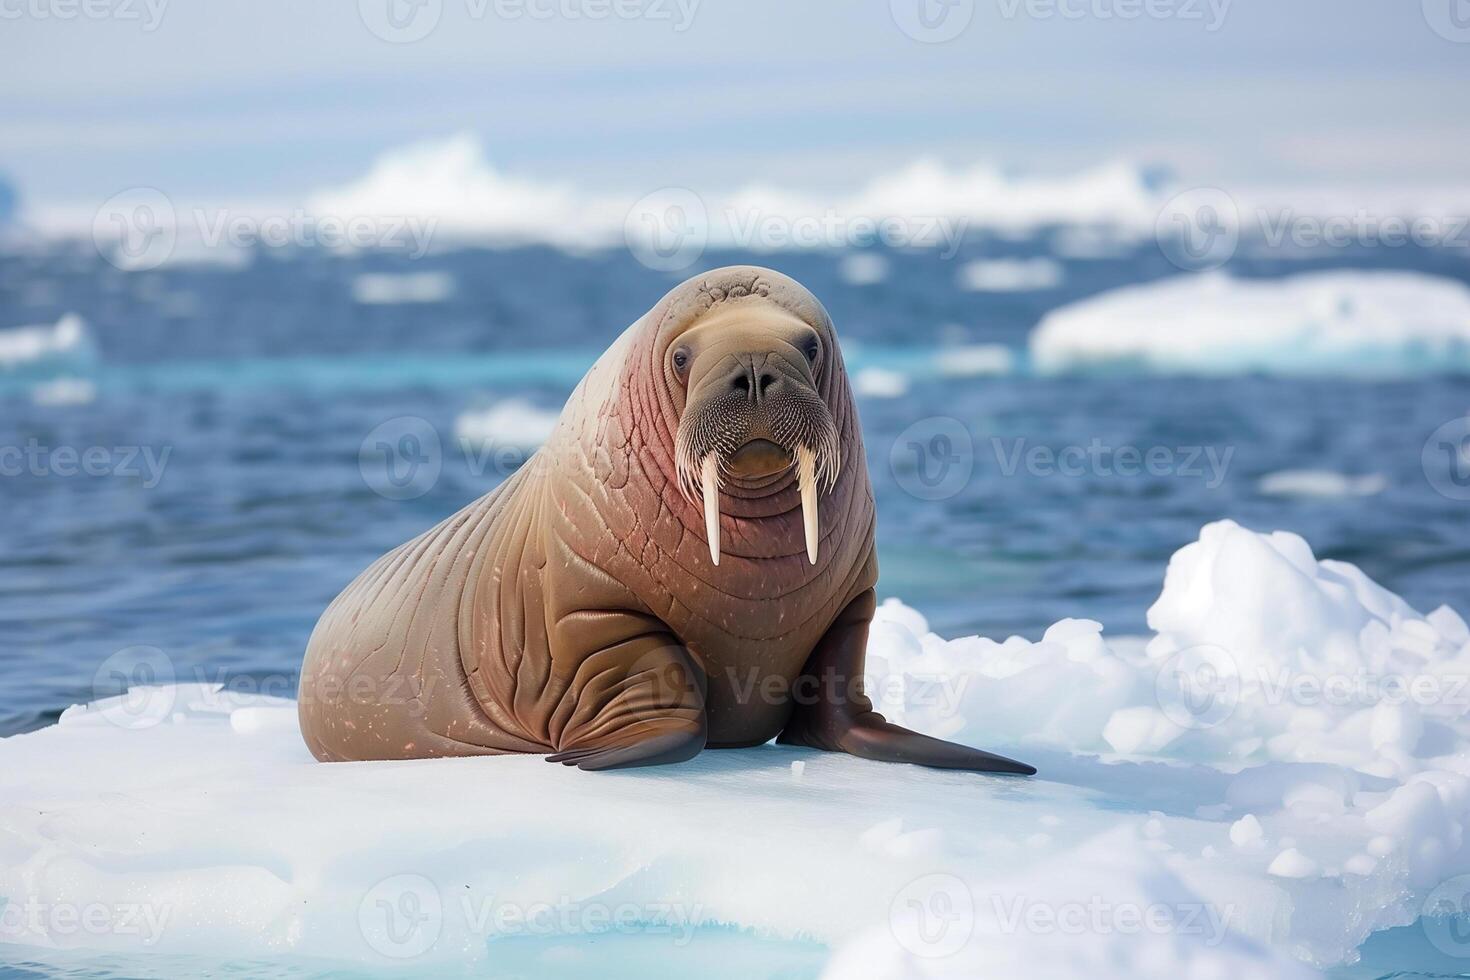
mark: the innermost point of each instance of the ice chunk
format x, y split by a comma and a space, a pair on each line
1010, 275
66, 342
1371, 323
876, 382
382, 288
514, 423
1321, 483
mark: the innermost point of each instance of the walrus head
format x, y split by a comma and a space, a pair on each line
753, 413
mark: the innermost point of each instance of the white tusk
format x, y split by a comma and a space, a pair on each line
806, 480
710, 478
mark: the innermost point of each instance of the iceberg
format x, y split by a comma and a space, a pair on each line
453, 186
1368, 323
1277, 772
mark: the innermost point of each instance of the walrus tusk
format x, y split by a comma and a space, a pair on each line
806, 479
710, 479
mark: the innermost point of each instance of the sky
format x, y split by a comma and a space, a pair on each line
274, 100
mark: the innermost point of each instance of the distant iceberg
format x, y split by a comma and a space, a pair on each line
453, 184
1340, 322
1275, 774
38, 348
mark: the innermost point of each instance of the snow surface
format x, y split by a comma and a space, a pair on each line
1277, 772
1373, 323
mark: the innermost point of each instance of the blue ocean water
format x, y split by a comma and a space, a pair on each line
233, 401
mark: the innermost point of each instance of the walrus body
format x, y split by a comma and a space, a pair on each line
655, 580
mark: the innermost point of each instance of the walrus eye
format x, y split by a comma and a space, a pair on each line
811, 350
681, 360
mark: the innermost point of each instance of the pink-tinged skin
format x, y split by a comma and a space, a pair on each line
577, 609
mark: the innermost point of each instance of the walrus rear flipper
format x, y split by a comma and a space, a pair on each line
842, 719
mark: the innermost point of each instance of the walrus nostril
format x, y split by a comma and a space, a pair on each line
763, 385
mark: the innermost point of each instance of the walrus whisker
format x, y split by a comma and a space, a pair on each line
711, 474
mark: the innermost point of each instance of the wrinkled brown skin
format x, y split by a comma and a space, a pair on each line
575, 609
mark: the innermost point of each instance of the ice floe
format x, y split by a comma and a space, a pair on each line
1371, 323
1010, 275
1275, 773
514, 423
383, 289
67, 341
1321, 483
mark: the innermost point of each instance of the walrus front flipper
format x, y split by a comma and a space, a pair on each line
637, 702
841, 718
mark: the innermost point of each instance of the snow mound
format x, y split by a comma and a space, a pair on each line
514, 423
1370, 323
1193, 816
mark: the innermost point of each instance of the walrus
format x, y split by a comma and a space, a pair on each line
687, 563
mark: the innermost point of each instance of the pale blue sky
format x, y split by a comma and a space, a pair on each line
269, 99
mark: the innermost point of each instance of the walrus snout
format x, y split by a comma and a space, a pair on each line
752, 411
